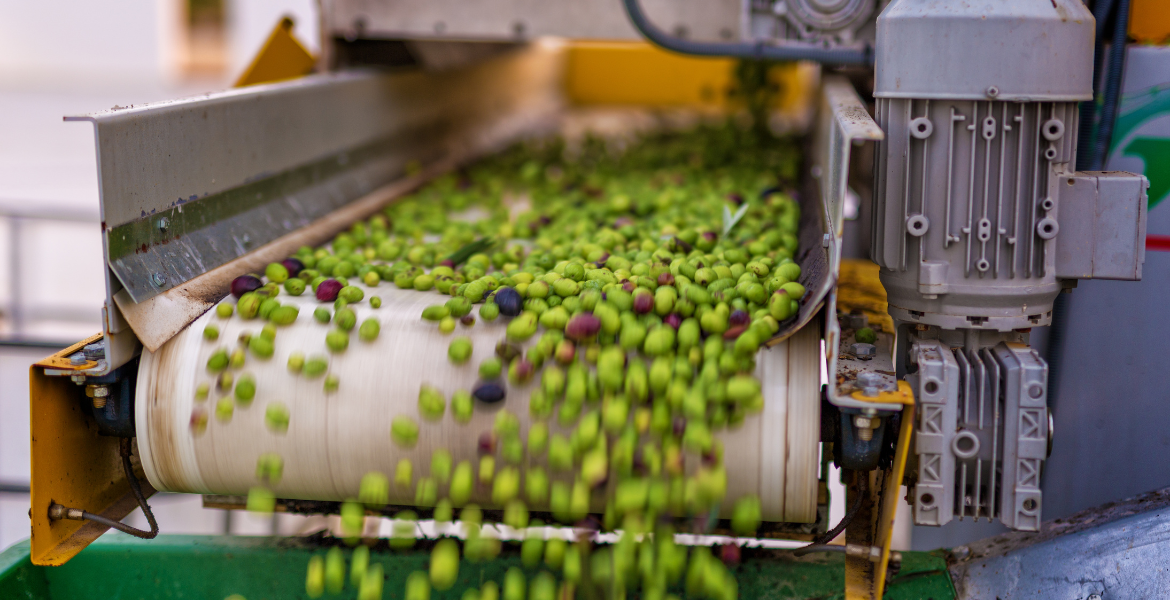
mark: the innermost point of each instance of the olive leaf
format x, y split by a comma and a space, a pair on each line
464, 253
729, 220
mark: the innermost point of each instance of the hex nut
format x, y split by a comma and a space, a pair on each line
863, 351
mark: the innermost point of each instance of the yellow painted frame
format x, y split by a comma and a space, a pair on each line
639, 74
858, 583
72, 464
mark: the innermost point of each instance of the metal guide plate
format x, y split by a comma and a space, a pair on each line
514, 20
843, 122
189, 185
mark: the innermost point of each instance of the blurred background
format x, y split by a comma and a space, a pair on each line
72, 58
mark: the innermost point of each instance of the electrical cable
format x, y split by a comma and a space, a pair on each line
758, 50
1088, 121
56, 511
1113, 76
830, 535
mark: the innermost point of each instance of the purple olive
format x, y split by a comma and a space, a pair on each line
666, 278
245, 283
583, 326
738, 317
489, 392
639, 463
487, 443
629, 286
446, 262
710, 236
678, 426
509, 301
673, 319
294, 266
729, 554
327, 290
735, 198
643, 303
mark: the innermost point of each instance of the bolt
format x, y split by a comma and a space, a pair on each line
856, 320
863, 351
158, 279
163, 224
95, 351
1094, 597
77, 359
78, 379
99, 393
865, 426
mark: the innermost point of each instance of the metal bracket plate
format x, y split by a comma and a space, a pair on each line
843, 123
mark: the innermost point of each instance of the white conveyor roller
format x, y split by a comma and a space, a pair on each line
333, 439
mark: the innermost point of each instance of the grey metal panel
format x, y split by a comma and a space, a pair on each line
191, 184
1114, 552
510, 20
963, 187
936, 387
1025, 435
1009, 50
1103, 226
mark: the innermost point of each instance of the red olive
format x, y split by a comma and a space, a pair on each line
643, 303
583, 326
327, 290
734, 332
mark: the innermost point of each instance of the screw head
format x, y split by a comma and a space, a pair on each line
164, 224
158, 279
992, 92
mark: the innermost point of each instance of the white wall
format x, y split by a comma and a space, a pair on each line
71, 57
122, 37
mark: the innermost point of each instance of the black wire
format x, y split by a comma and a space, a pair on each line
811, 548
750, 50
1088, 125
124, 450
829, 535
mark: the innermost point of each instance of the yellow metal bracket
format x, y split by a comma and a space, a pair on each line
865, 580
282, 57
72, 464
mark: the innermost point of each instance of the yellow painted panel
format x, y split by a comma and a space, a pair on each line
637, 73
282, 57
1149, 21
72, 465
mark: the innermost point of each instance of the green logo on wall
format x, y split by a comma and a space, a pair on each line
1155, 152
1143, 131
